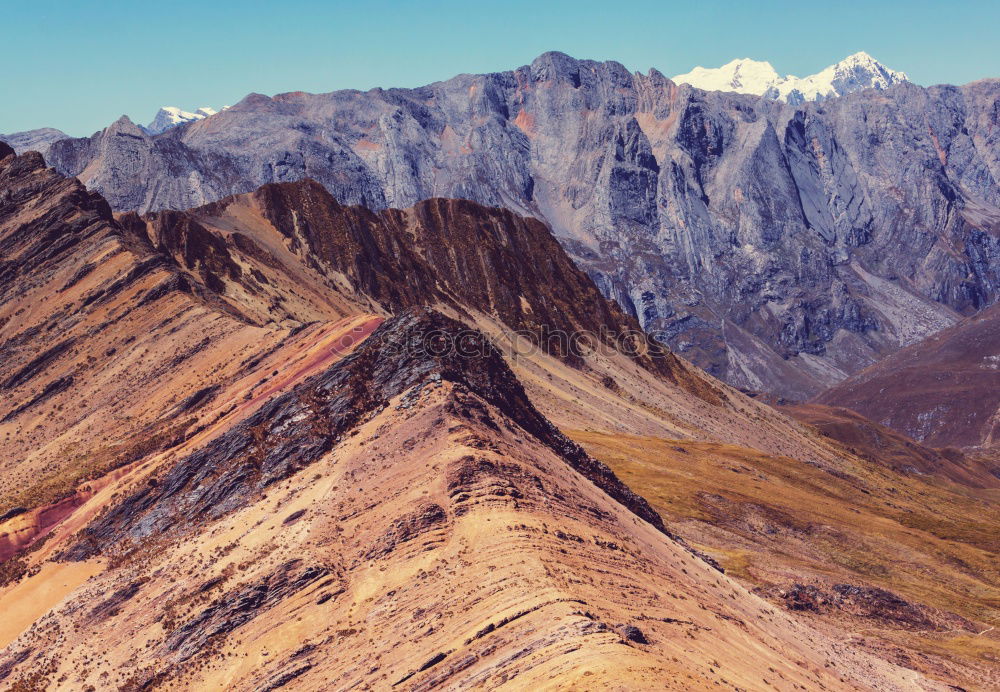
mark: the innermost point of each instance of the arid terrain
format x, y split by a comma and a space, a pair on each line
279, 442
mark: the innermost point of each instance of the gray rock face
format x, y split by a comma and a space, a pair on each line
779, 247
33, 140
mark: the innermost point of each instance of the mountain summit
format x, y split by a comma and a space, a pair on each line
171, 116
747, 76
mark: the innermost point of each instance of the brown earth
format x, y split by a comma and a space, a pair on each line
226, 464
863, 437
440, 542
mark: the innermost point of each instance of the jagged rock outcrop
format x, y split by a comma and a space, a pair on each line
781, 248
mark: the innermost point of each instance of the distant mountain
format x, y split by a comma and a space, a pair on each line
782, 248
746, 76
166, 118
33, 140
171, 116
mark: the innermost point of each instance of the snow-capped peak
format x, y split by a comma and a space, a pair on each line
746, 76
853, 73
171, 116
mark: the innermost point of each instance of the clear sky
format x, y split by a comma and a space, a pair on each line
78, 65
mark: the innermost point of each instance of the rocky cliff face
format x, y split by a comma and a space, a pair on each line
779, 247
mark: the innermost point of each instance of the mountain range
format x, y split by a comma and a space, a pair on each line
782, 248
854, 73
558, 377
236, 452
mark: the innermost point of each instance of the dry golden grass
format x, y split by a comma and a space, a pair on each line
80, 468
773, 520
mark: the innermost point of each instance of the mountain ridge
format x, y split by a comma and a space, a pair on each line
941, 391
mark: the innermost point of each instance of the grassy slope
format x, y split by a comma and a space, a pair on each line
772, 521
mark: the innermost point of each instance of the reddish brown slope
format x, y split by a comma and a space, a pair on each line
448, 252
943, 391
293, 522
101, 338
407, 521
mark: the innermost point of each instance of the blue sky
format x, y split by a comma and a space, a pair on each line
79, 65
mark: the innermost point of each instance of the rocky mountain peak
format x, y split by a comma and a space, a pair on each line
125, 125
859, 71
555, 66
